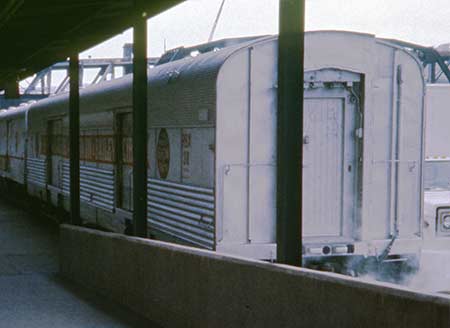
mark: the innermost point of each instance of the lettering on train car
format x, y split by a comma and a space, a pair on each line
163, 154
105, 149
89, 148
92, 148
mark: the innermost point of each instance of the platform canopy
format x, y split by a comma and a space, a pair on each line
37, 34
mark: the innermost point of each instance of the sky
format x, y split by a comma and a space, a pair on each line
421, 21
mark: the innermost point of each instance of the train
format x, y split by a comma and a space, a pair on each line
212, 120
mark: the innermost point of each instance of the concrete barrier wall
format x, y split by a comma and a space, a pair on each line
179, 286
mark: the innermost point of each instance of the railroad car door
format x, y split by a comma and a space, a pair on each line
125, 161
54, 158
329, 162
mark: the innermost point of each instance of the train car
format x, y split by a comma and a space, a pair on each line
13, 137
437, 168
212, 150
105, 153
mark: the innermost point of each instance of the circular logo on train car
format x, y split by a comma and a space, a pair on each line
163, 153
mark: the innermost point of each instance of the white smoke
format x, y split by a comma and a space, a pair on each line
433, 274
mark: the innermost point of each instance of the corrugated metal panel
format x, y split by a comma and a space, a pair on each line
182, 211
190, 84
37, 171
96, 186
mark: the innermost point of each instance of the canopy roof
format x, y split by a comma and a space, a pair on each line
36, 34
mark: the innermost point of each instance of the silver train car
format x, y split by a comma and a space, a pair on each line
437, 168
212, 148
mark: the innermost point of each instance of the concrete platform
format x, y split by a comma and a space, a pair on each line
179, 286
32, 294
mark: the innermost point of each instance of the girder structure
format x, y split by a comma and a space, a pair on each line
38, 34
42, 83
434, 73
435, 61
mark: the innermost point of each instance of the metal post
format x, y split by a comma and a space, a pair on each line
140, 127
433, 72
12, 90
290, 131
74, 135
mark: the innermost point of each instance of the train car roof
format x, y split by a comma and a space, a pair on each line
172, 84
118, 93
20, 111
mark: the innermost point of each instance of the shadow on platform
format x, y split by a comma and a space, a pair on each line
32, 292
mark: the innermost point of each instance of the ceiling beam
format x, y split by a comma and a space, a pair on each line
8, 11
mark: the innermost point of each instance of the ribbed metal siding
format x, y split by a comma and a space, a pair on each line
96, 186
37, 171
182, 211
